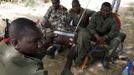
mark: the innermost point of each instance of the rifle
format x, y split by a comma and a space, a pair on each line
6, 34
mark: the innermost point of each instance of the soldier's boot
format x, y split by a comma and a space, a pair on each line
106, 62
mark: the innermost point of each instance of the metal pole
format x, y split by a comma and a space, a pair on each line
81, 17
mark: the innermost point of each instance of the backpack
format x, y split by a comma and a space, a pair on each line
118, 20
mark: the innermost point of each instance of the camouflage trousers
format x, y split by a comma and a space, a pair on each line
84, 44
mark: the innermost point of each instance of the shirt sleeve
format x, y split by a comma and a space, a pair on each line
3, 47
47, 15
69, 17
92, 25
44, 23
90, 12
114, 30
64, 18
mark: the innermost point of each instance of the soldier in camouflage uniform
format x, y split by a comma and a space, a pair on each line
74, 15
54, 19
104, 29
22, 57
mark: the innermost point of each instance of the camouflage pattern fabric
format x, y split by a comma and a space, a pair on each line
13, 62
106, 28
55, 19
72, 16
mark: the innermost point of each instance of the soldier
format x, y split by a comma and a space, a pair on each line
74, 15
76, 12
104, 29
22, 57
54, 19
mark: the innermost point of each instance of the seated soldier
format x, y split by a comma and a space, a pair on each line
76, 13
23, 55
54, 19
104, 29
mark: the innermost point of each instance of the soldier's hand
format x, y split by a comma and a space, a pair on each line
97, 37
102, 40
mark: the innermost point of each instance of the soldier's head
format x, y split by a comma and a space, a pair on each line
76, 6
25, 36
56, 4
106, 9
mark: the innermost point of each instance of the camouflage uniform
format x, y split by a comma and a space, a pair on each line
74, 19
16, 63
72, 16
106, 28
55, 20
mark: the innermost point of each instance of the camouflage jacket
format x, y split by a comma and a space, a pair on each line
72, 16
55, 19
13, 62
107, 27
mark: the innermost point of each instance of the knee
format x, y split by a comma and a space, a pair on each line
116, 41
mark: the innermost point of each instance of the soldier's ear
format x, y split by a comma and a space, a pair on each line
15, 43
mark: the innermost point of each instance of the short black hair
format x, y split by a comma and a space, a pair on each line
76, 1
57, 0
106, 4
19, 26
